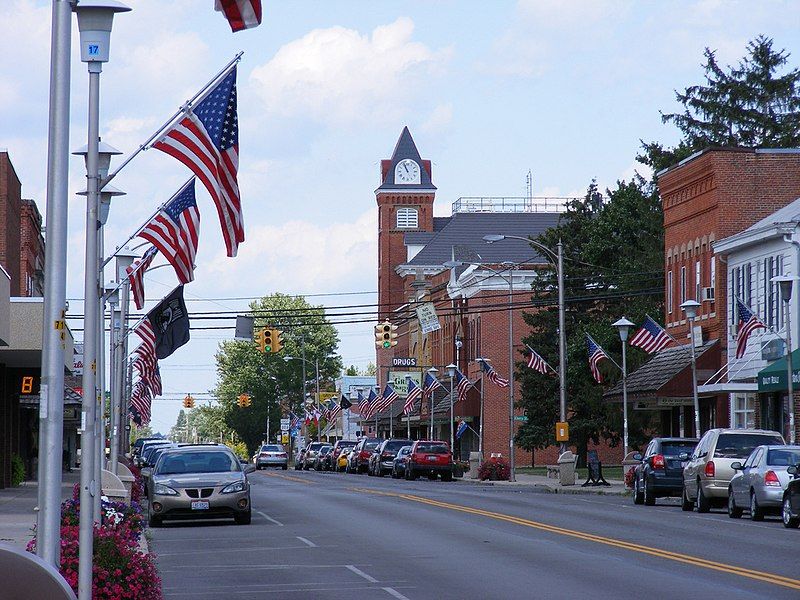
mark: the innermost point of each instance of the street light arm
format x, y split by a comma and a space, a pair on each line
552, 256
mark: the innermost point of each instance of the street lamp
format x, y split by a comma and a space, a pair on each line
690, 308
451, 371
433, 371
785, 282
95, 19
557, 260
624, 326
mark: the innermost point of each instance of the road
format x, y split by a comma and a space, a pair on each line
329, 535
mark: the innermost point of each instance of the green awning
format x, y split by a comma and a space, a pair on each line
772, 378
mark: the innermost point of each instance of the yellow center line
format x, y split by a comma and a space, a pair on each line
290, 478
657, 552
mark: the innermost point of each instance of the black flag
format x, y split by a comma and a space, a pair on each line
170, 323
345, 403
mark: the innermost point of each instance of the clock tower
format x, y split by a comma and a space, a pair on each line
405, 204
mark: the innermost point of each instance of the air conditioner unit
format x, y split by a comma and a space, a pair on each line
708, 294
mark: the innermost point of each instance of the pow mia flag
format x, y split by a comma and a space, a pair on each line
344, 403
170, 323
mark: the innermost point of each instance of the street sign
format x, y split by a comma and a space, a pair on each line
284, 438
399, 383
323, 396
284, 424
404, 362
523, 418
428, 321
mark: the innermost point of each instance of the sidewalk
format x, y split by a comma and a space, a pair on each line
550, 485
17, 515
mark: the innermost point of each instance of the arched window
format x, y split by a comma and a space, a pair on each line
407, 218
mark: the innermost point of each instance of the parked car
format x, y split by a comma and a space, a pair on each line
199, 482
341, 461
431, 458
660, 473
322, 460
791, 499
271, 455
382, 457
399, 462
708, 473
136, 448
339, 447
760, 481
311, 454
359, 458
139, 460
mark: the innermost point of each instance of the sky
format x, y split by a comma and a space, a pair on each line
489, 90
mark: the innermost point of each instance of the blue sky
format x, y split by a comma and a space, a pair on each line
489, 89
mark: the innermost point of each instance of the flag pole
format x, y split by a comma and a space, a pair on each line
184, 107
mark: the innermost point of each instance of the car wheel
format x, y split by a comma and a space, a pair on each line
243, 519
447, 477
756, 512
734, 512
789, 521
686, 504
432, 476
701, 502
638, 496
649, 498
153, 520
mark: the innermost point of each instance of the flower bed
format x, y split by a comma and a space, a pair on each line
494, 469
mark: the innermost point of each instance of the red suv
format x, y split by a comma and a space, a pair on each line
359, 458
431, 458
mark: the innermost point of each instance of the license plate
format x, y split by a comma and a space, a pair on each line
200, 505
432, 458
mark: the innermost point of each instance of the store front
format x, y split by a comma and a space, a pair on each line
772, 405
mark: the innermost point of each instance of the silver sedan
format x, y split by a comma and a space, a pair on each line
760, 481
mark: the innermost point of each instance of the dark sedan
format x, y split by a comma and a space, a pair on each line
791, 499
382, 458
400, 461
660, 473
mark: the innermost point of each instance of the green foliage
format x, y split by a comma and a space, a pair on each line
750, 105
17, 470
351, 371
273, 383
240, 450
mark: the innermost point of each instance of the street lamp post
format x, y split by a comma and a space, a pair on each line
690, 308
433, 372
624, 326
95, 19
785, 282
451, 371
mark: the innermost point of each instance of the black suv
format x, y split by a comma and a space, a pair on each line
382, 458
660, 473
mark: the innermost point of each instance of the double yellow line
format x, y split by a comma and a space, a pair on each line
695, 561
290, 478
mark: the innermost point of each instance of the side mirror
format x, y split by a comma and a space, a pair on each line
637, 456
792, 470
683, 456
736, 466
248, 468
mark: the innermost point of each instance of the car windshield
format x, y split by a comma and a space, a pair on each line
371, 445
430, 448
740, 445
404, 450
325, 449
271, 448
347, 444
783, 457
395, 446
198, 462
677, 448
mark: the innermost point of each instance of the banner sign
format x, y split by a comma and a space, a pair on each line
399, 383
428, 321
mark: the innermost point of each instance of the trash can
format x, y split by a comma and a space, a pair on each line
475, 459
566, 468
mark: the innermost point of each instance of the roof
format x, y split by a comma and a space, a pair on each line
416, 238
466, 230
659, 370
406, 148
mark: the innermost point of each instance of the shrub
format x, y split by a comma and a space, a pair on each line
240, 450
494, 469
17, 470
630, 476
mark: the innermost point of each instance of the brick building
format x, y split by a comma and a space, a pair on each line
710, 195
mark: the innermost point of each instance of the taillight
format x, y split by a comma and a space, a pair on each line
385, 455
364, 454
770, 478
657, 461
282, 454
710, 469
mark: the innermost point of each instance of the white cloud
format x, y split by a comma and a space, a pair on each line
339, 75
439, 119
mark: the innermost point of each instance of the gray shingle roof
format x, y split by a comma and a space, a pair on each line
466, 230
406, 148
417, 238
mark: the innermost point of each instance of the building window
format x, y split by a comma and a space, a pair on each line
773, 266
743, 411
713, 271
670, 298
407, 218
698, 290
683, 284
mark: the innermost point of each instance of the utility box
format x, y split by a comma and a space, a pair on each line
566, 468
475, 459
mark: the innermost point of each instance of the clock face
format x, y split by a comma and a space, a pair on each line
406, 172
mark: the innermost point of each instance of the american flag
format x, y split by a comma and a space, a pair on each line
147, 365
136, 276
241, 14
145, 332
387, 397
748, 323
429, 385
362, 405
206, 140
462, 386
536, 362
372, 405
414, 394
596, 354
493, 375
174, 231
651, 337
141, 400
295, 421
333, 411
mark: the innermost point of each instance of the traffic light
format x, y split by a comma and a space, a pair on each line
277, 343
385, 336
188, 401
261, 340
269, 340
243, 400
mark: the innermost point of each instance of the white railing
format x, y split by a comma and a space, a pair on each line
550, 204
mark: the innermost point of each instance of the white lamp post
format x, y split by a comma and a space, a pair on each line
451, 371
624, 326
690, 308
433, 371
785, 282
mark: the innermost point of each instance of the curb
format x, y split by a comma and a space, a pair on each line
597, 491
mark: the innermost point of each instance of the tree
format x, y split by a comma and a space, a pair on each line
178, 431
750, 105
351, 371
371, 370
275, 381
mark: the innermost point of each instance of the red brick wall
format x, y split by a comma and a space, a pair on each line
10, 206
31, 250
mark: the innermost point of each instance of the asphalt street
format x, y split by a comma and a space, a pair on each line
331, 535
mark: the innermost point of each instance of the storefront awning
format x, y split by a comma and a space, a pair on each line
772, 378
